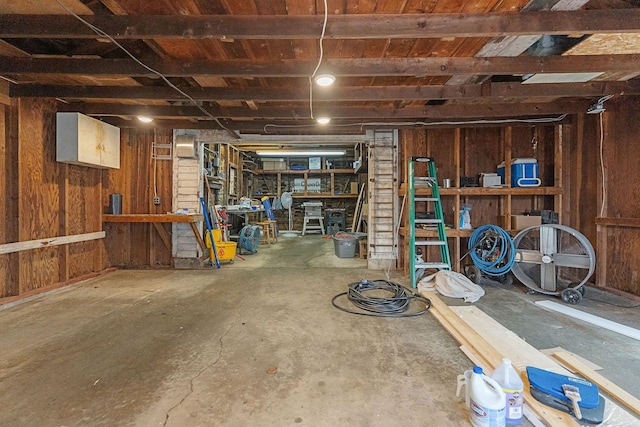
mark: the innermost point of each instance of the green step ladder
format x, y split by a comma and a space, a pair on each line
431, 181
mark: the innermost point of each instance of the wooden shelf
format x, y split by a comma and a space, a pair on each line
302, 172
311, 196
323, 196
496, 191
491, 205
153, 218
156, 219
328, 176
451, 232
487, 191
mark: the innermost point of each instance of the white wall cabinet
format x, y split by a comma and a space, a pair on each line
85, 141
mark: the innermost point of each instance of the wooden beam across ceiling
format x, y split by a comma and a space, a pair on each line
355, 94
417, 67
311, 127
348, 26
369, 113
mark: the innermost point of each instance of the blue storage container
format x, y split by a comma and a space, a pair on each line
524, 172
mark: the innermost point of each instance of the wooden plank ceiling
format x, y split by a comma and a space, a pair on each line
247, 64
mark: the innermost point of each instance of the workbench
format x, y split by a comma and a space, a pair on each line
246, 212
155, 219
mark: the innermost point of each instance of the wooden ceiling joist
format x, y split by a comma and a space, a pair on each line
374, 67
355, 94
350, 26
369, 113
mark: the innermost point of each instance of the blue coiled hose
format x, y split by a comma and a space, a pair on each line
492, 251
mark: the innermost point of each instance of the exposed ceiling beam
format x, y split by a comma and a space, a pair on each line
367, 113
253, 126
340, 67
355, 94
340, 127
348, 26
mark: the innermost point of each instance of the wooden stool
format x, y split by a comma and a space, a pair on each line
269, 230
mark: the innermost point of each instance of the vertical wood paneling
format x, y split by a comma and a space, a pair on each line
5, 182
138, 245
619, 247
43, 198
83, 207
9, 269
38, 190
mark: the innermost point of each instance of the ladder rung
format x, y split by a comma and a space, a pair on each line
424, 181
430, 243
426, 199
433, 265
428, 221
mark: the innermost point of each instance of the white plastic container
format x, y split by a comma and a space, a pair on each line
512, 385
487, 401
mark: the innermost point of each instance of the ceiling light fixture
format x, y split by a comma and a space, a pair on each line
323, 120
325, 79
145, 119
301, 153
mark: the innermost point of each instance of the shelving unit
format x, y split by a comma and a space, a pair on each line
306, 174
494, 205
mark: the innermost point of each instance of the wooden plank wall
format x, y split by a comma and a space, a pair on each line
618, 230
43, 199
9, 206
138, 245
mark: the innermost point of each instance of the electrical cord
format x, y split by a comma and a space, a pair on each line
324, 28
361, 125
392, 306
102, 33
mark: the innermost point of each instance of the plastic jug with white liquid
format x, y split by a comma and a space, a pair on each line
487, 401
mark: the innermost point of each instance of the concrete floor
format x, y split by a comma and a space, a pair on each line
257, 343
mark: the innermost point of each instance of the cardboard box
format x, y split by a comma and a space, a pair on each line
354, 188
274, 164
520, 222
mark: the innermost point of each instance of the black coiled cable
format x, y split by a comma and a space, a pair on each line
394, 305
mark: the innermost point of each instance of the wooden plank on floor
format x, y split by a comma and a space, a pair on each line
550, 351
522, 354
478, 345
609, 387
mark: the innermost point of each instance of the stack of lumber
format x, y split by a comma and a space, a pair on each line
481, 336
